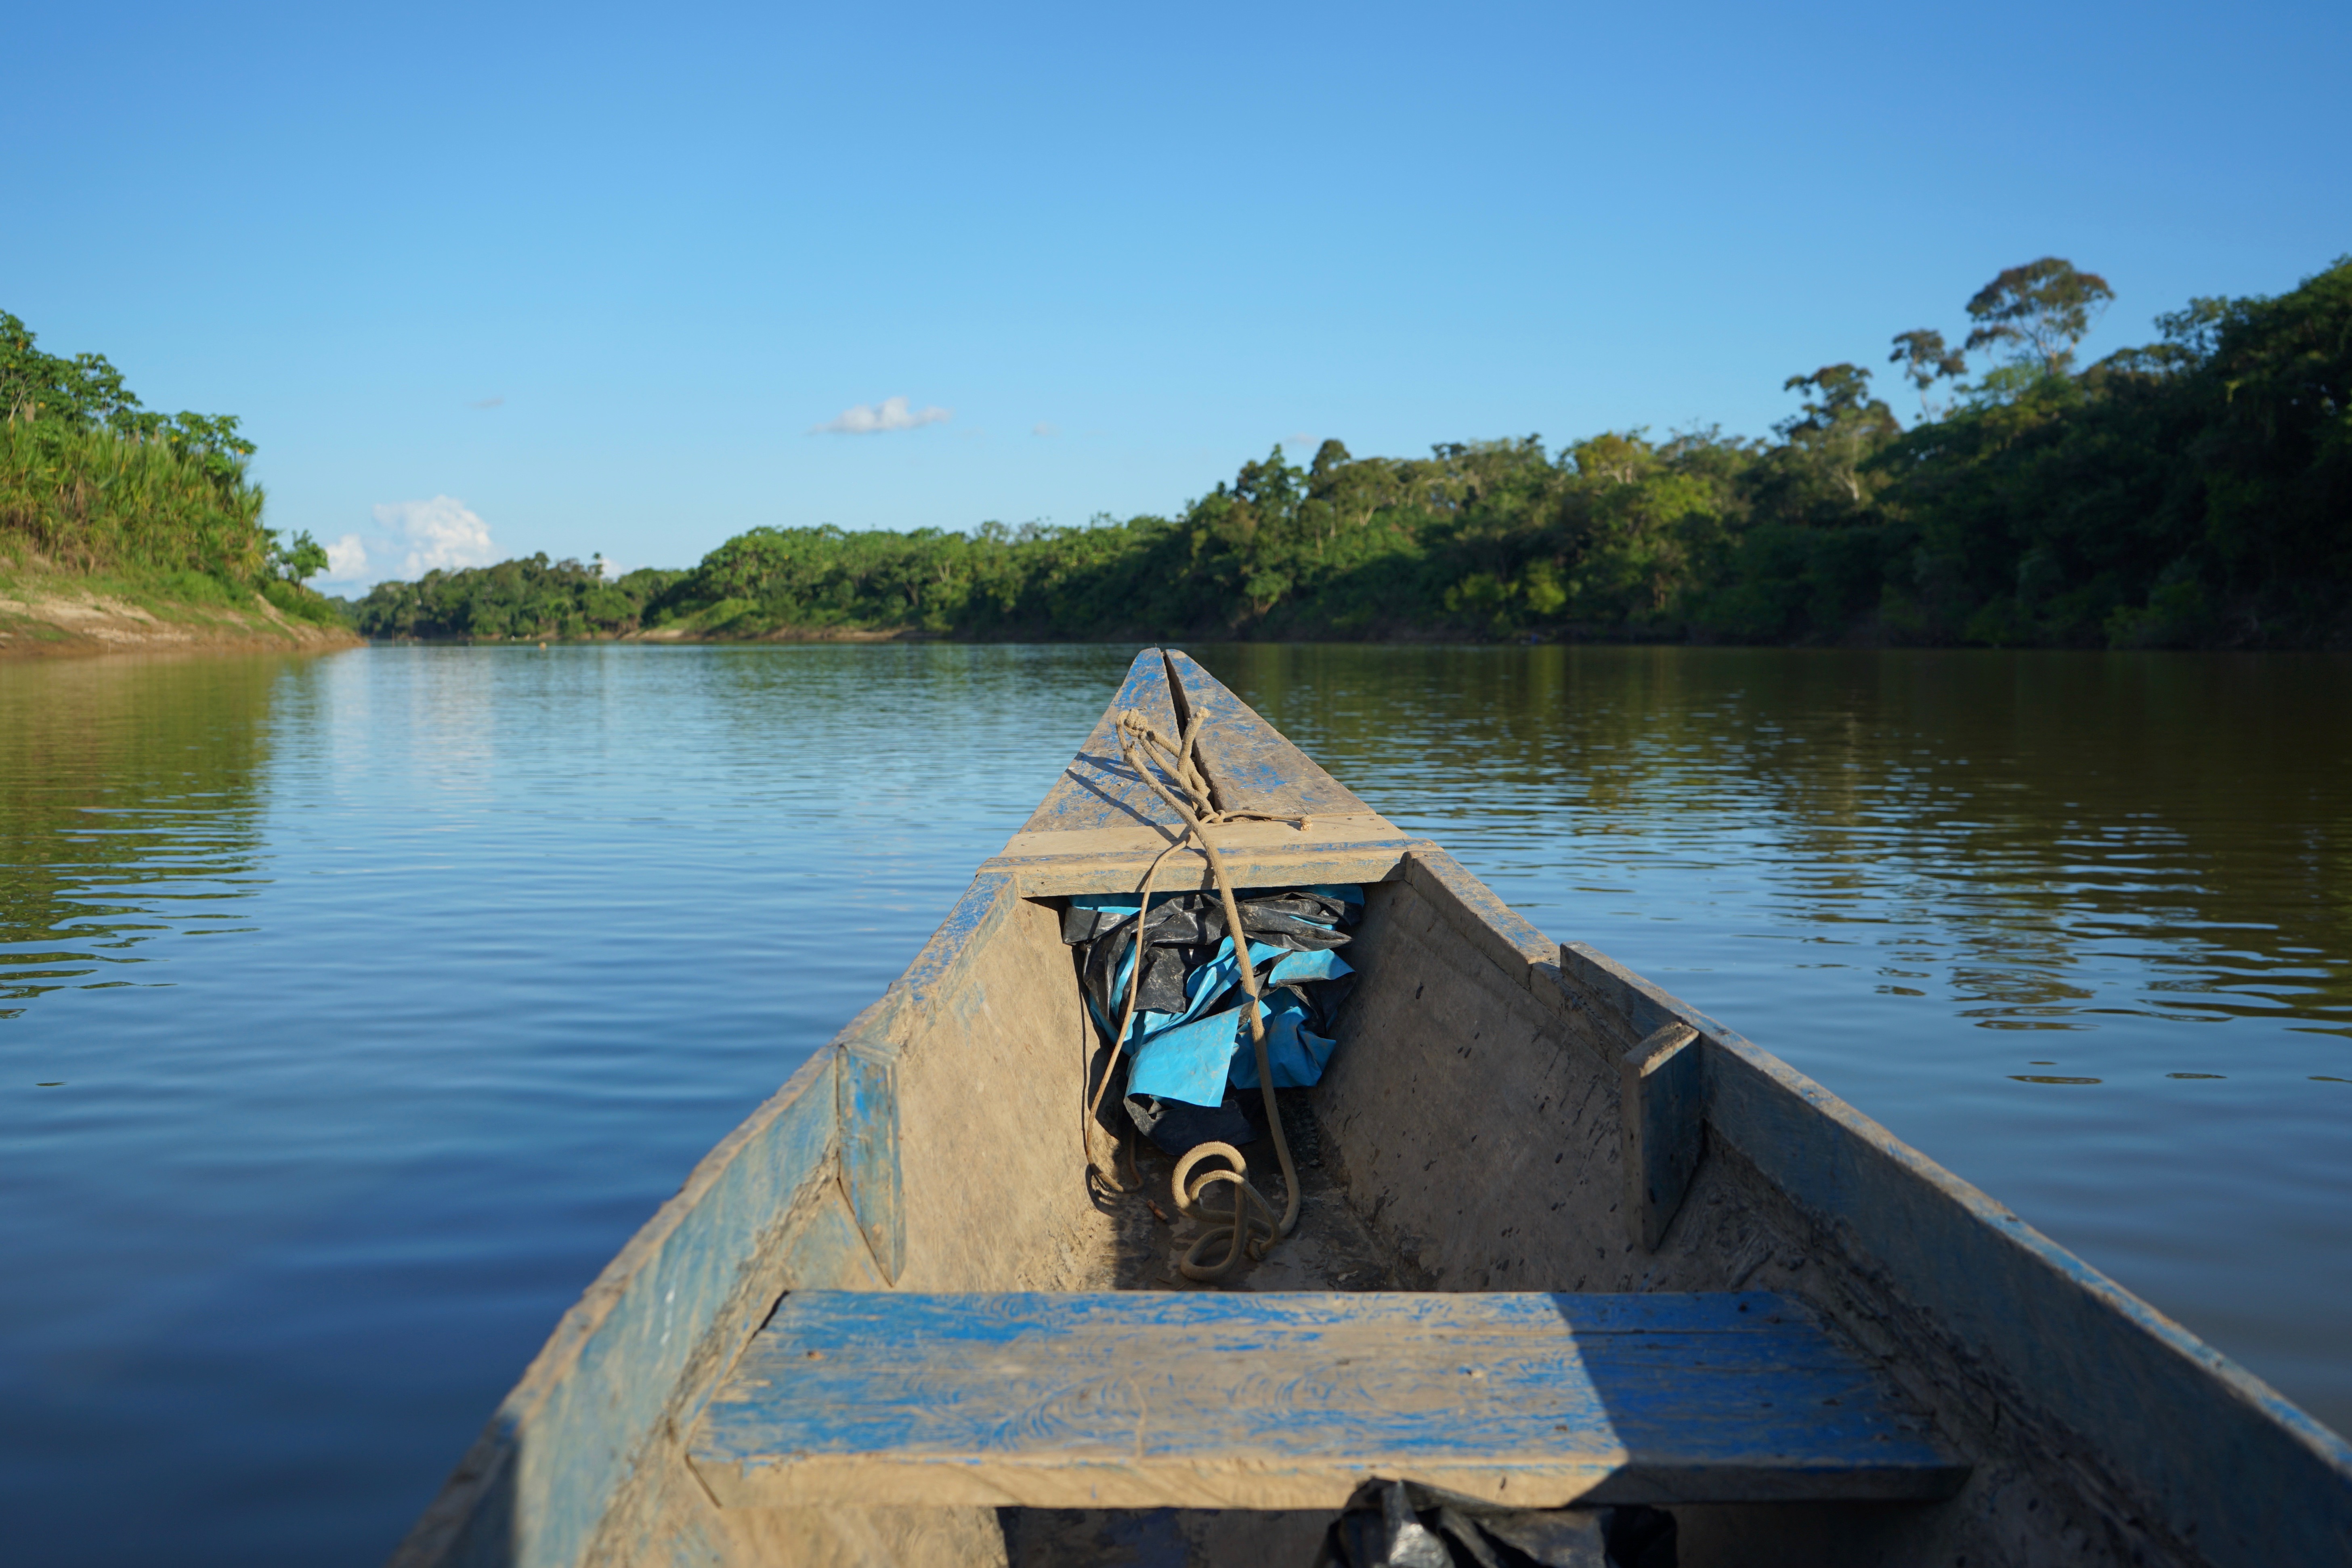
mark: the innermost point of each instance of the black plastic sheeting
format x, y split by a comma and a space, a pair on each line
1185, 931
1403, 1524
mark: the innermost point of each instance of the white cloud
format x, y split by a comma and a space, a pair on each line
440, 533
890, 414
346, 559
1043, 428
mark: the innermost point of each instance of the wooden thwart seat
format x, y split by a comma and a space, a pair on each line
1147, 1399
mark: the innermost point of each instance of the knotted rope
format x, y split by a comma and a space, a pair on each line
1249, 1227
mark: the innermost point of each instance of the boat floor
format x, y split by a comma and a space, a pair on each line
1332, 1250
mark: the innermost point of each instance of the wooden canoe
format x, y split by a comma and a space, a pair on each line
1561, 1234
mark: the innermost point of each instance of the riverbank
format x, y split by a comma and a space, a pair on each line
2190, 493
788, 634
42, 617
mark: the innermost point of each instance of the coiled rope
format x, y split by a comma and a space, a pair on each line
1249, 1226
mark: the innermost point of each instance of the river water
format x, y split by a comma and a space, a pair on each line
354, 1010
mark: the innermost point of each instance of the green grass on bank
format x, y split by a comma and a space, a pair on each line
92, 500
100, 495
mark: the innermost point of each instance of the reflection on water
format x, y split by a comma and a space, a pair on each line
352, 1011
129, 808
2079, 926
1999, 824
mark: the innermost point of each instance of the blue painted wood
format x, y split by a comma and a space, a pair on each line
1252, 767
1662, 1107
1137, 1399
872, 1173
2227, 1471
871, 1178
2220, 1461
961, 935
1098, 789
615, 1361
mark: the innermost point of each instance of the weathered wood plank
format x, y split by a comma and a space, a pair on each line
1662, 1107
990, 1098
870, 1083
1098, 789
2215, 1454
1251, 852
1250, 766
871, 1181
960, 936
1473, 909
1288, 1400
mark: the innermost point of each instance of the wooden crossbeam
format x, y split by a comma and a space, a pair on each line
1147, 1399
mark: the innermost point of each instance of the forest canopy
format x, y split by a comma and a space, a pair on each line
2194, 491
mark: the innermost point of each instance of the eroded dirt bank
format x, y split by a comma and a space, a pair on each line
54, 619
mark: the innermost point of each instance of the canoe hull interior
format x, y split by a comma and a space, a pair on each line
1469, 1137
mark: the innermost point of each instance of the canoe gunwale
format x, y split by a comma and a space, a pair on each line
2198, 1436
538, 1483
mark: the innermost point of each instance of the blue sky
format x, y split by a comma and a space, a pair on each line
489, 280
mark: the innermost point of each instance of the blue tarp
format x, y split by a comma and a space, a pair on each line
1191, 1056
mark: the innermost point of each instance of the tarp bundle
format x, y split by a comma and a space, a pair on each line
1405, 1524
1189, 1046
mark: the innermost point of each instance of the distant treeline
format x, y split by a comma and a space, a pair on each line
92, 482
2194, 492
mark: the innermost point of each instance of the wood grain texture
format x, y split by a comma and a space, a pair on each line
659, 1513
1098, 789
1153, 1399
1481, 1144
1479, 916
871, 1180
1252, 767
1254, 859
2223, 1465
1662, 1097
990, 1100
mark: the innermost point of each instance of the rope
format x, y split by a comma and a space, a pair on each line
1249, 1227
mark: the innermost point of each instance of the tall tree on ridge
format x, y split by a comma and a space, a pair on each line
1841, 424
2038, 312
1925, 360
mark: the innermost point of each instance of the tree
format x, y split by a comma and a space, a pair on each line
2038, 312
1841, 425
299, 558
1925, 359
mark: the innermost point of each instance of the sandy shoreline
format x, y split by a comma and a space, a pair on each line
48, 621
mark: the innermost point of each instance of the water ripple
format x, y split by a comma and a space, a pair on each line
353, 1011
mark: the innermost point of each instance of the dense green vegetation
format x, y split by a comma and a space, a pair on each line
91, 482
2194, 492
529, 598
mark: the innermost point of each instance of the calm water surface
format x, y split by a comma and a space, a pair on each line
353, 1011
